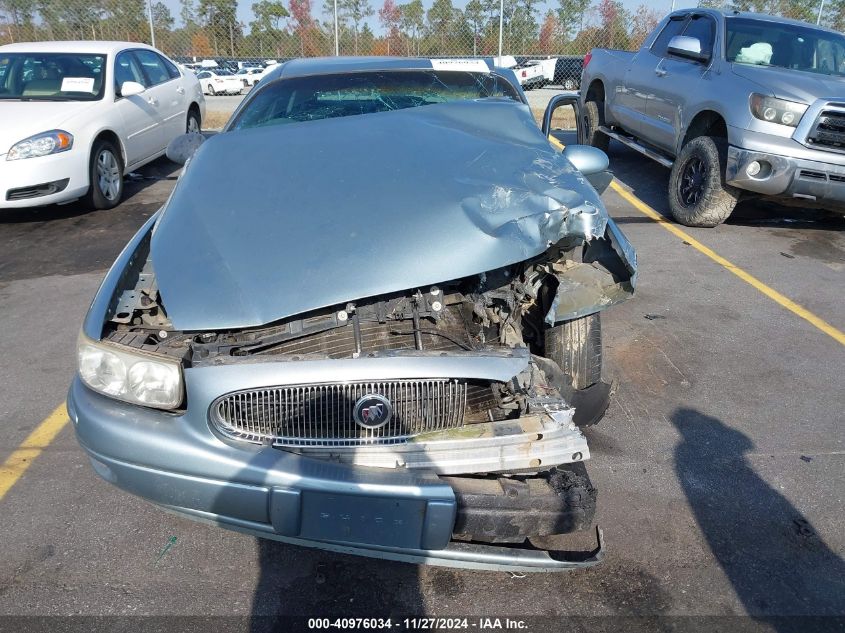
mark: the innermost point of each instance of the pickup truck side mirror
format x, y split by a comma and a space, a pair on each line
687, 47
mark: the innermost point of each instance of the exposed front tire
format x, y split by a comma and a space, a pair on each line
593, 117
698, 194
105, 172
577, 349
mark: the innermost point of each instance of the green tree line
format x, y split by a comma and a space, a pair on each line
288, 28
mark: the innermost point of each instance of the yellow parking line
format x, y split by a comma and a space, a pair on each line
770, 292
17, 463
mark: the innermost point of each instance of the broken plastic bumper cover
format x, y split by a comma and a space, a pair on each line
397, 515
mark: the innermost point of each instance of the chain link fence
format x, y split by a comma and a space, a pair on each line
232, 31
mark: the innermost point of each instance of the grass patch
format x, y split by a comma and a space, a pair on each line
215, 120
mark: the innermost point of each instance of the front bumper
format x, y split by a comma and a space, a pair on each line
33, 173
789, 169
178, 463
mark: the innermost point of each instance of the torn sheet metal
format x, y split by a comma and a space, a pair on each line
346, 208
607, 276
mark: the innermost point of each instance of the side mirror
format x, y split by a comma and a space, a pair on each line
181, 148
687, 47
592, 163
131, 88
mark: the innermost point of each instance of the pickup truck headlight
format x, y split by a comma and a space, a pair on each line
130, 375
777, 110
51, 142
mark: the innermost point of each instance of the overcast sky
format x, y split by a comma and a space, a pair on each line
245, 8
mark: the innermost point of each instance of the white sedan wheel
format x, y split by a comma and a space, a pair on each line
108, 175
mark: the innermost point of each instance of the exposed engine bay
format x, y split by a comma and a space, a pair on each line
509, 308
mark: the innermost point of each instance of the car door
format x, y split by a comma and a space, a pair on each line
166, 89
631, 97
677, 81
142, 132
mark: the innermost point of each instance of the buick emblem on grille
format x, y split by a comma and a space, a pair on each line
372, 411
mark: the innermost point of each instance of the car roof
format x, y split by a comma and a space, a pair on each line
323, 65
78, 46
764, 17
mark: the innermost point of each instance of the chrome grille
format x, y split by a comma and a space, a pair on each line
829, 131
321, 415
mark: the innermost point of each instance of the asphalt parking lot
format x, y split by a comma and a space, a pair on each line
720, 464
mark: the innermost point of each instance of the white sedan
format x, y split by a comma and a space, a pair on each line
220, 81
83, 114
249, 76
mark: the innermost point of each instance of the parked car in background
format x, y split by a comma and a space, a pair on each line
416, 336
219, 81
736, 104
79, 115
529, 73
249, 75
266, 71
568, 72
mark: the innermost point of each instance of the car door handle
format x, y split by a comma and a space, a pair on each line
152, 101
180, 90
659, 72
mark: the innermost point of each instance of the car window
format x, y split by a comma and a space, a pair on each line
202, 75
704, 29
329, 96
153, 67
674, 27
794, 46
126, 68
52, 76
170, 67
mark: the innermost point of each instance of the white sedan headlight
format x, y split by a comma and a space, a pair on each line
131, 375
43, 144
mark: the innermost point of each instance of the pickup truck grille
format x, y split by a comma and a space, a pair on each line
829, 131
322, 415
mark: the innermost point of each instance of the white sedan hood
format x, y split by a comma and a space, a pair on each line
25, 118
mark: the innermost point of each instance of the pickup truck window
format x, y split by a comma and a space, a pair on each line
763, 43
704, 29
672, 28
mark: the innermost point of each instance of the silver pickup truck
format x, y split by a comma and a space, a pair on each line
736, 104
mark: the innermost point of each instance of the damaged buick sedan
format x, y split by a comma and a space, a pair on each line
389, 346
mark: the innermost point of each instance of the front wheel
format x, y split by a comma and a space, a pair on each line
576, 347
106, 176
698, 194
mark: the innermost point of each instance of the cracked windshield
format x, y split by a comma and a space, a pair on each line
328, 96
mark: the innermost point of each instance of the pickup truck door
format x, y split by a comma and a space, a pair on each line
629, 104
676, 82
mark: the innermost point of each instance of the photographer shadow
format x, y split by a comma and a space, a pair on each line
770, 552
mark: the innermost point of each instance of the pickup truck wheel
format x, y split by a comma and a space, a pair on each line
593, 119
698, 195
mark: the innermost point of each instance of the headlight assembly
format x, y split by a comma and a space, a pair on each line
131, 375
51, 142
777, 110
